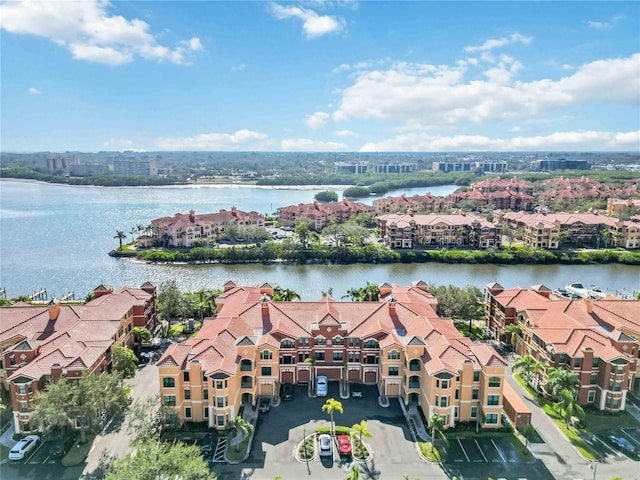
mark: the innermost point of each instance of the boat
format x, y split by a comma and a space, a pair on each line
578, 290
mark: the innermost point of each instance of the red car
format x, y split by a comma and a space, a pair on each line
344, 444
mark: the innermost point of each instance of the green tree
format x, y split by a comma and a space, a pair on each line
141, 335
513, 329
331, 405
312, 361
120, 235
303, 234
333, 233
168, 300
568, 407
284, 295
436, 422
560, 380
239, 428
354, 473
361, 430
369, 293
527, 365
153, 460
124, 361
146, 419
85, 402
326, 196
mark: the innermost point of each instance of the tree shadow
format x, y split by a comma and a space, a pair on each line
101, 470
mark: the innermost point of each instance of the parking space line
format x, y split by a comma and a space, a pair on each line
481, 452
463, 450
498, 450
607, 446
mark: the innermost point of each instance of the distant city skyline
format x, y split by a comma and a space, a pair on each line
320, 76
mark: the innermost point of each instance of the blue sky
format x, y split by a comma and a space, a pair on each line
320, 76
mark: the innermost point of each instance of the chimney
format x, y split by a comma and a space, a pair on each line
54, 311
56, 371
392, 305
589, 304
192, 216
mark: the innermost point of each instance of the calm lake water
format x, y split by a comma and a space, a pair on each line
57, 237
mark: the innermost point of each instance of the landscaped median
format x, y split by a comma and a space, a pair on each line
595, 421
306, 449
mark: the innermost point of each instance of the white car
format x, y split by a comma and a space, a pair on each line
325, 445
321, 386
23, 447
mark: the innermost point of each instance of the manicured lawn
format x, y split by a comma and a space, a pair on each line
78, 452
237, 453
4, 452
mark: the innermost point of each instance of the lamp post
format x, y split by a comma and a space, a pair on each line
594, 466
304, 448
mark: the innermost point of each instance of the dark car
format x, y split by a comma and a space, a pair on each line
206, 446
622, 443
265, 404
59, 447
286, 391
356, 390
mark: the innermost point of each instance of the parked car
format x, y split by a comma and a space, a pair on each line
356, 390
206, 446
286, 391
324, 441
145, 357
265, 404
59, 446
622, 443
344, 444
321, 386
24, 446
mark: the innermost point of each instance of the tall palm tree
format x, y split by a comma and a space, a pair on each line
312, 377
362, 430
141, 335
568, 407
120, 235
330, 406
561, 379
527, 365
436, 422
513, 329
239, 427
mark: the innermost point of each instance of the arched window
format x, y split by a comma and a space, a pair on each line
394, 355
338, 340
320, 340
371, 343
246, 382
414, 365
245, 365
414, 381
286, 343
266, 355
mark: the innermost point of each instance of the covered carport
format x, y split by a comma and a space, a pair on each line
515, 408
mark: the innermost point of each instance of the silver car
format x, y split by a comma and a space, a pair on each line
321, 386
23, 447
325, 445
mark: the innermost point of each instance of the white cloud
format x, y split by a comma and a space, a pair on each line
308, 145
314, 25
117, 144
579, 140
238, 68
344, 133
34, 91
607, 25
316, 120
493, 43
240, 140
90, 33
439, 96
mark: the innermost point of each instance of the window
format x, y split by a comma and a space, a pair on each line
394, 355
494, 382
618, 386
414, 365
220, 384
286, 343
474, 394
47, 379
474, 412
187, 394
414, 382
168, 382
596, 363
594, 379
476, 375
338, 356
354, 357
562, 359
320, 340
616, 403
219, 402
493, 399
170, 400
455, 412
445, 384
246, 382
491, 418
266, 355
220, 420
354, 342
457, 394
371, 343
206, 412
245, 365
187, 412
205, 393
591, 396
393, 371
319, 356
577, 362
444, 401
266, 371
338, 340
22, 389
303, 342
185, 376
24, 407
620, 369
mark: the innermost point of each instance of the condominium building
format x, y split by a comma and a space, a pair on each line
184, 230
598, 340
318, 215
409, 231
426, 203
398, 343
41, 343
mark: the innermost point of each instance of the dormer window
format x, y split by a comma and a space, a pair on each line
394, 355
266, 355
286, 343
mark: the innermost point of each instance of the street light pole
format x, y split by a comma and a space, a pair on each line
304, 448
594, 466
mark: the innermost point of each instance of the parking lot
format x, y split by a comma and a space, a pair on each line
608, 450
280, 431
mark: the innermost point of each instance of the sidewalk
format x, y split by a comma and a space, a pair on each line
6, 438
411, 412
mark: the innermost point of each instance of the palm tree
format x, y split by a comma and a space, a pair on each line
527, 365
354, 474
362, 430
436, 422
559, 380
513, 329
239, 427
568, 407
330, 406
120, 235
312, 376
141, 335
284, 295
